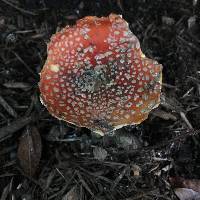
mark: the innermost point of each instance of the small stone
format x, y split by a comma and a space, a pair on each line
100, 153
168, 20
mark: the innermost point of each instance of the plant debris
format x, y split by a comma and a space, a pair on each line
29, 150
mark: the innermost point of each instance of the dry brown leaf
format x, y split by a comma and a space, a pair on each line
29, 150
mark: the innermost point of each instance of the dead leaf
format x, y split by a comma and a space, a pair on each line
187, 194
29, 150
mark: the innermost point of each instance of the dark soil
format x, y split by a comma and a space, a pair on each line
44, 158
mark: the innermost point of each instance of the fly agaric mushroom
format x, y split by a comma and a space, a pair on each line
96, 75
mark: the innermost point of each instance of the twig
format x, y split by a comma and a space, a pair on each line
184, 118
164, 115
85, 185
187, 93
167, 85
26, 66
60, 173
117, 180
7, 107
19, 9
189, 44
194, 79
7, 131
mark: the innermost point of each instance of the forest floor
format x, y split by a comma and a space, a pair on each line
44, 158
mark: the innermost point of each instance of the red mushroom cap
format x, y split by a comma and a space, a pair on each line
96, 76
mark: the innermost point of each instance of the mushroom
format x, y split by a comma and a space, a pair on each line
96, 75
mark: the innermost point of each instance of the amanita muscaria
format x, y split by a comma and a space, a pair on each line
96, 75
